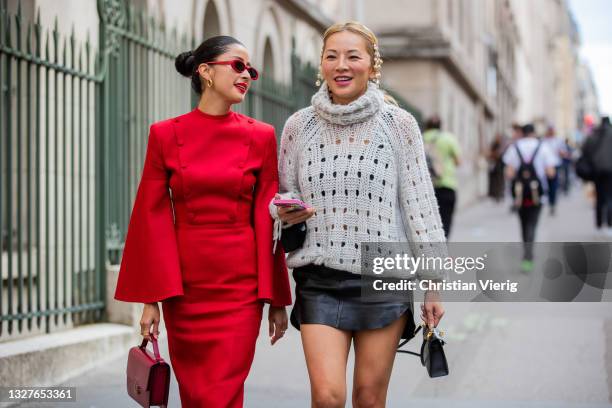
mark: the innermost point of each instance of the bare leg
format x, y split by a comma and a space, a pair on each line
326, 350
374, 357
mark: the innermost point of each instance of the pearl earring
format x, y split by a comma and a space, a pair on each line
319, 78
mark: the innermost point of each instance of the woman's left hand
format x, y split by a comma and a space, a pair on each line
277, 320
432, 309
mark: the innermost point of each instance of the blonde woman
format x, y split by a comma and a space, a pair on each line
358, 162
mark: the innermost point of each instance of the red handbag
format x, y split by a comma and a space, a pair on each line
148, 376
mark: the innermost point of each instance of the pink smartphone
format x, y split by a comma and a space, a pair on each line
293, 204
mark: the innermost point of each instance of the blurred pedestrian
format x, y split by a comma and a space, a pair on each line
445, 154
566, 166
598, 148
557, 148
496, 168
517, 133
529, 164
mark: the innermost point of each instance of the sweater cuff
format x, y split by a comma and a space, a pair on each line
284, 196
434, 276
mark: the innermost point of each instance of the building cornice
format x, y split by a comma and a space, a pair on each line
308, 12
431, 44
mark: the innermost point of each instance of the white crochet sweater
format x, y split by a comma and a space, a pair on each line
362, 167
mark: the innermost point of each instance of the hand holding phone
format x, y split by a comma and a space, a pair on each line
291, 204
292, 211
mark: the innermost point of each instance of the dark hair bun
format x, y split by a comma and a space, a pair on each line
184, 63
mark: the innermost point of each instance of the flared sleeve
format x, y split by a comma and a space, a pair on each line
273, 285
150, 268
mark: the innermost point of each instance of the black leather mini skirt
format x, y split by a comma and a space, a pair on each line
334, 298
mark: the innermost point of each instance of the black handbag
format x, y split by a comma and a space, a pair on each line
293, 238
432, 352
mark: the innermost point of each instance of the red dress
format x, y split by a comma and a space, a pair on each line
205, 250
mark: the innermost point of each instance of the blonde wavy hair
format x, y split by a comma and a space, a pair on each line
371, 47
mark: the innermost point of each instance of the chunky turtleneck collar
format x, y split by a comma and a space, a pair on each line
360, 110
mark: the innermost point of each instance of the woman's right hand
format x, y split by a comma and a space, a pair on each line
150, 319
432, 309
291, 217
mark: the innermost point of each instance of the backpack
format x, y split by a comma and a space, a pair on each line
527, 188
433, 159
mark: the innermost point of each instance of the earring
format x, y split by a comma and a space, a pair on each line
209, 83
319, 78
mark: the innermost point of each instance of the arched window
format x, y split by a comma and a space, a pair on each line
268, 61
211, 21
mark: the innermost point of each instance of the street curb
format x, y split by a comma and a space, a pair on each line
51, 359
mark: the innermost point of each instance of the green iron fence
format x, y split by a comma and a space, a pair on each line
47, 269
140, 87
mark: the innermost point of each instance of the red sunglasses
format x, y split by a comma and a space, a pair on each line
237, 66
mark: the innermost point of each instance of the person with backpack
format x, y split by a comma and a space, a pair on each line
529, 164
598, 149
442, 153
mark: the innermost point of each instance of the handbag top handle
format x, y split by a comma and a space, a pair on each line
155, 348
432, 333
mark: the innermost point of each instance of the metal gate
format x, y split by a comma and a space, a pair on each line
48, 275
140, 87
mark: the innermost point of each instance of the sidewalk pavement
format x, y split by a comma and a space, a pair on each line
502, 354
489, 221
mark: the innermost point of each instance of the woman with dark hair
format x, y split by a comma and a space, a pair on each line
200, 234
